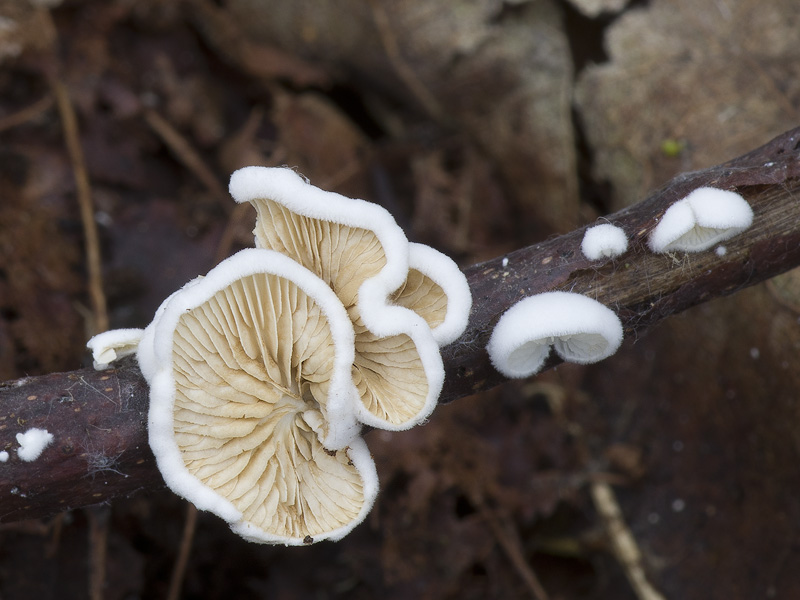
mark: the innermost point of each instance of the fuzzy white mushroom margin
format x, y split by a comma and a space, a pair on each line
360, 456
383, 319
700, 220
112, 345
155, 359
580, 329
154, 344
444, 272
604, 241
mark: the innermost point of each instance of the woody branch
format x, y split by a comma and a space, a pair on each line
99, 419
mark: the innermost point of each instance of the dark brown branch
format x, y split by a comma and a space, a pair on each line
99, 423
643, 288
99, 418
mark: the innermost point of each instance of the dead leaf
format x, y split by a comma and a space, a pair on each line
704, 77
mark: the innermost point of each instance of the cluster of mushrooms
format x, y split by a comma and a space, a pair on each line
263, 372
581, 329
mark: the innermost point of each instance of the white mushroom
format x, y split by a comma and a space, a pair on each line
252, 405
436, 289
112, 345
395, 293
700, 220
32, 443
579, 328
604, 241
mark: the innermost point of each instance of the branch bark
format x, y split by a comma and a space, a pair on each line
99, 419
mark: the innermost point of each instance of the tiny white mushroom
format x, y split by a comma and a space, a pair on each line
700, 220
604, 241
111, 345
32, 443
3, 456
581, 330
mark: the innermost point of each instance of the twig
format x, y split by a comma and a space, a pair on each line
179, 570
512, 546
623, 544
94, 264
28, 113
186, 153
641, 287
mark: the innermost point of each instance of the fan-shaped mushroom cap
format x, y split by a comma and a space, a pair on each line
579, 328
252, 408
437, 290
604, 241
358, 249
111, 345
700, 220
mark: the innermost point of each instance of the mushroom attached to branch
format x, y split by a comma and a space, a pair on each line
252, 405
32, 443
262, 372
580, 329
604, 241
404, 300
700, 220
110, 346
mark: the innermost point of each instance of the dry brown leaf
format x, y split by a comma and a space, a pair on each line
689, 85
504, 76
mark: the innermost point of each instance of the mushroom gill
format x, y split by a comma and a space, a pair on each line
252, 367
341, 255
424, 296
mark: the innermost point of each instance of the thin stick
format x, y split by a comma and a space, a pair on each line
179, 570
623, 544
185, 152
26, 114
512, 546
93, 260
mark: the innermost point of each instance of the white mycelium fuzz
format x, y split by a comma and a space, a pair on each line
604, 241
32, 443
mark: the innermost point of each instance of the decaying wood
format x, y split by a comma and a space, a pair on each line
99, 418
643, 288
99, 423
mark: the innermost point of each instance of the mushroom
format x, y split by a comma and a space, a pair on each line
700, 220
604, 240
581, 330
437, 290
252, 405
112, 345
32, 443
403, 300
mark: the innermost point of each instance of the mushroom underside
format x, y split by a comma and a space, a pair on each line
340, 255
252, 367
701, 238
